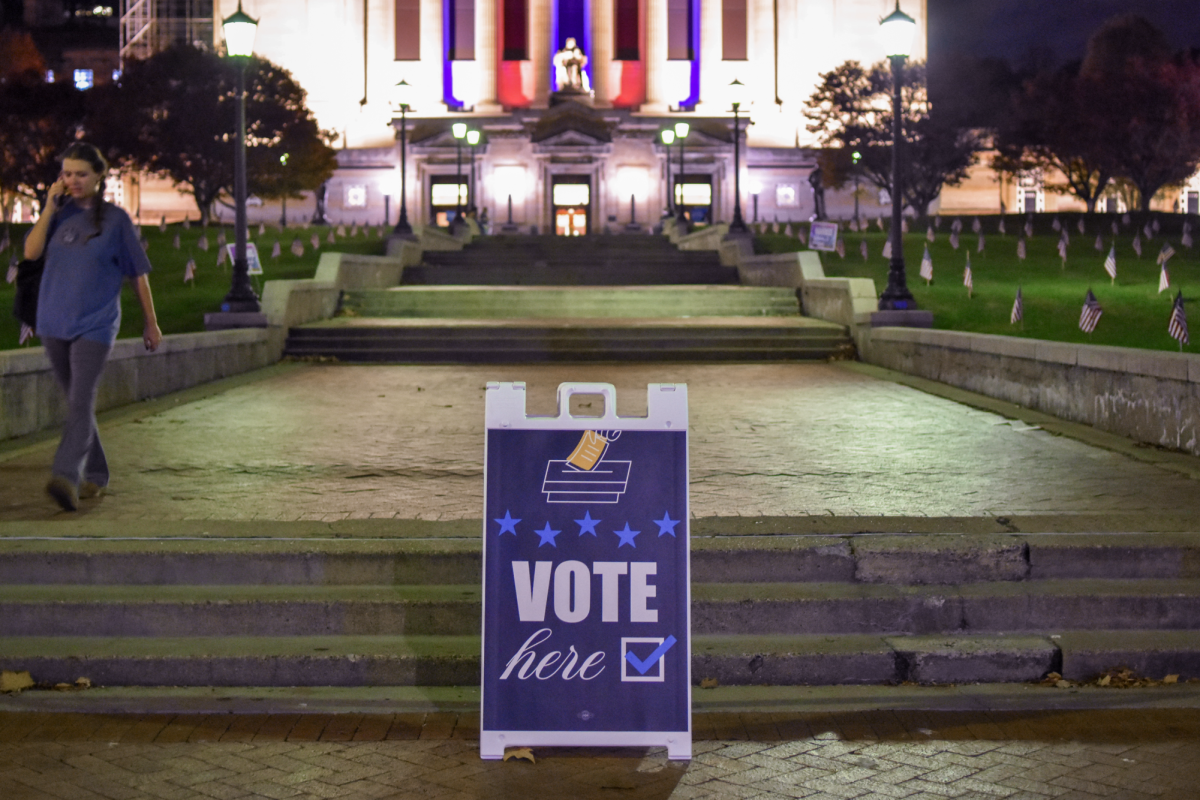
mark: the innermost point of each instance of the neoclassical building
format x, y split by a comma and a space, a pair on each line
569, 139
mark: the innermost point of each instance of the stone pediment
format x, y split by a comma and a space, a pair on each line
571, 125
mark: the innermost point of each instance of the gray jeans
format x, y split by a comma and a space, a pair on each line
77, 365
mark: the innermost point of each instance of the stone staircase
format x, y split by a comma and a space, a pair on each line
522, 299
397, 603
569, 261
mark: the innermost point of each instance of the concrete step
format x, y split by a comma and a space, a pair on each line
468, 341
732, 660
517, 302
415, 552
717, 609
617, 271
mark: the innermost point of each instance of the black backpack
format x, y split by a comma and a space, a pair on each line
29, 282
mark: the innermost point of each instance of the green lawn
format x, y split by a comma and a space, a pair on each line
1135, 314
181, 307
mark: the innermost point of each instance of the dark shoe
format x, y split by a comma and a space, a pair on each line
63, 492
88, 490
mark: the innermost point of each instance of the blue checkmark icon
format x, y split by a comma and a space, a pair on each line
640, 665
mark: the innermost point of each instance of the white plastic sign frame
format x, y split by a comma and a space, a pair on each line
823, 236
587, 628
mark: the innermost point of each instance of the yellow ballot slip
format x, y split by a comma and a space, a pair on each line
587, 453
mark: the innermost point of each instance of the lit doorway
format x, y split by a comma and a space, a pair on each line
571, 196
444, 202
693, 194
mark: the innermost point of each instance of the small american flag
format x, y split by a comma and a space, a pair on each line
879, 223
854, 225
956, 226
1186, 241
315, 241
1062, 250
801, 235
354, 230
176, 243
887, 248
1099, 243
841, 247
202, 242
162, 224
1066, 237
1029, 227
221, 256
976, 226
787, 231
1056, 224
1137, 245
981, 243
1090, 314
277, 250
929, 234
1082, 227
904, 225
297, 247
341, 228
1154, 224
1125, 218
1018, 311
1177, 327
862, 248
189, 271
26, 334
1000, 227
1110, 263
937, 222
927, 266
12, 274
1021, 249
968, 281
222, 239
1115, 228
1164, 255
262, 229
1148, 229
1164, 280
187, 222
954, 239
333, 239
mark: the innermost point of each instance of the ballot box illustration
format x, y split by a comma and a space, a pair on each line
586, 622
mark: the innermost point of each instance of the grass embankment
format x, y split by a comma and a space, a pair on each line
181, 306
1135, 314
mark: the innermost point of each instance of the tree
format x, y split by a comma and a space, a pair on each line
40, 120
1152, 102
19, 55
1057, 124
852, 109
298, 157
175, 114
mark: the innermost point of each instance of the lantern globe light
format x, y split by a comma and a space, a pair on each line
472, 138
756, 187
404, 92
459, 129
898, 30
681, 129
239, 29
668, 137
737, 93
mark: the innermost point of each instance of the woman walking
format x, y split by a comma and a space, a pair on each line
90, 248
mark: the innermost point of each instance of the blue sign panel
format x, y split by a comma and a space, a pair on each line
586, 588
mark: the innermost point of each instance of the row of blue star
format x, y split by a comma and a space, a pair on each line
587, 525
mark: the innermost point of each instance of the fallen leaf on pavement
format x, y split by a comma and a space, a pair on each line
519, 752
15, 681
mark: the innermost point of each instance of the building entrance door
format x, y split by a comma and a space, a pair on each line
571, 196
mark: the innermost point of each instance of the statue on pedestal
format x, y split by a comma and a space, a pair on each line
569, 76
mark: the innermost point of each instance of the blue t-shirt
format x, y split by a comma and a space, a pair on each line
80, 294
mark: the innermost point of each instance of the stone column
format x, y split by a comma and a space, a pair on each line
486, 55
656, 57
540, 48
602, 50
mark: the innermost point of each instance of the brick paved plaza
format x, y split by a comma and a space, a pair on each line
330, 442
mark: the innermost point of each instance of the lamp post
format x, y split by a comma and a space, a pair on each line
404, 95
668, 138
898, 29
239, 30
738, 226
681, 132
459, 129
755, 190
472, 200
854, 159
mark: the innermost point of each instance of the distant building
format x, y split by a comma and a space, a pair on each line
577, 157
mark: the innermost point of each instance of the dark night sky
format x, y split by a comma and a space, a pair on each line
1011, 28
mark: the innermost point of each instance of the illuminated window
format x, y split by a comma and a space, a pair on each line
49, 76
516, 30
356, 196
460, 30
625, 16
408, 30
679, 30
694, 194
83, 79
786, 195
443, 194
733, 30
572, 194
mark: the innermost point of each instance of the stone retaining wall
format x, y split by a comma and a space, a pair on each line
1149, 396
